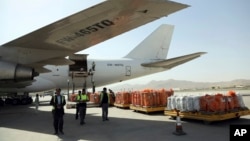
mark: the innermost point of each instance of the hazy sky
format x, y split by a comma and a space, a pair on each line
219, 27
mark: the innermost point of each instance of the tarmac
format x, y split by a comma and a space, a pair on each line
24, 123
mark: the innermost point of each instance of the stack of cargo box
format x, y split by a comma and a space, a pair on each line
72, 97
208, 103
123, 98
95, 98
150, 97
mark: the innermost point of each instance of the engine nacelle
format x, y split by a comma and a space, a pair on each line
15, 72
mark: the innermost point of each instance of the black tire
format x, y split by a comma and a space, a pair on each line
1, 102
29, 100
15, 101
8, 101
24, 101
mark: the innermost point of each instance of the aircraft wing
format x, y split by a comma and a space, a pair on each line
50, 44
173, 62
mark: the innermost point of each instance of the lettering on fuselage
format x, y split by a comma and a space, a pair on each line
116, 65
85, 31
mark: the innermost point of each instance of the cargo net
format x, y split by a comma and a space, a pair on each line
208, 103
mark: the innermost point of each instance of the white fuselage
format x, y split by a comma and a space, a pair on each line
106, 72
146, 58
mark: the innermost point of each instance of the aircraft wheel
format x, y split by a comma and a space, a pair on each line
8, 101
15, 101
29, 100
1, 102
24, 101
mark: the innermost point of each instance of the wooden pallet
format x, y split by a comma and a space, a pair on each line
146, 109
121, 105
208, 118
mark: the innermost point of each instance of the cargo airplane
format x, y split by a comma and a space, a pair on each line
46, 58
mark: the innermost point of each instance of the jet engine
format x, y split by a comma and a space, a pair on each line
15, 72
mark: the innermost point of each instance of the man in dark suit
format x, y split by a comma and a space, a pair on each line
104, 103
58, 102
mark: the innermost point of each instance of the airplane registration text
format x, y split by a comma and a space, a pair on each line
86, 31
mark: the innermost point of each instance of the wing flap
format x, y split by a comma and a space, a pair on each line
173, 62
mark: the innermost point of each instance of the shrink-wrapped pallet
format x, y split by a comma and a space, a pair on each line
190, 103
172, 102
211, 103
169, 103
240, 100
196, 100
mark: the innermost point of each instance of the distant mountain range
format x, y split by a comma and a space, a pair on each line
183, 85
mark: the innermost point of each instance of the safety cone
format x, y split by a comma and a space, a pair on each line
178, 131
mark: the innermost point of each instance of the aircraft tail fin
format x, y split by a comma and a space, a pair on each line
155, 46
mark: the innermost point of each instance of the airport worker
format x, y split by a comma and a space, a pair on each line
112, 94
37, 101
82, 99
77, 104
93, 66
104, 103
58, 102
